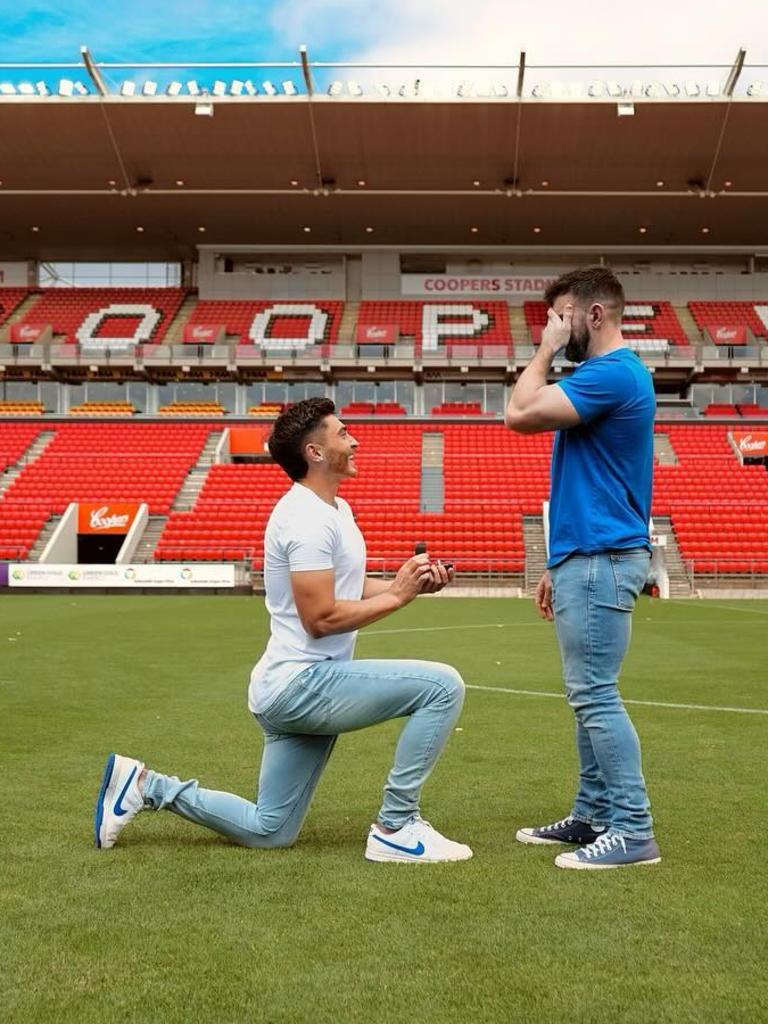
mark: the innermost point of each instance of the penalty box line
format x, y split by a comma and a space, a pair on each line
640, 703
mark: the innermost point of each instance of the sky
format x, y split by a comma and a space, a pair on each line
395, 31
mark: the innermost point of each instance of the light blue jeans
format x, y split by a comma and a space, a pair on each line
300, 729
593, 599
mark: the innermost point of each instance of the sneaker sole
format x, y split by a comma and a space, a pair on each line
98, 819
395, 858
579, 866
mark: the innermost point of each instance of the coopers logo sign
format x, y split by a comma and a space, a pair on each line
752, 445
473, 284
115, 517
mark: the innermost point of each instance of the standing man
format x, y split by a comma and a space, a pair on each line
306, 689
599, 553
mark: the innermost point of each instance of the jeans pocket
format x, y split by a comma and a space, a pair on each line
630, 571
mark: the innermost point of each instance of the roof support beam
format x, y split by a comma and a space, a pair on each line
311, 112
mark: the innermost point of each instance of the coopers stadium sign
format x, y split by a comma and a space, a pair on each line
752, 445
473, 284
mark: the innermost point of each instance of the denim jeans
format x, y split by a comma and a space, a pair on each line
593, 599
300, 730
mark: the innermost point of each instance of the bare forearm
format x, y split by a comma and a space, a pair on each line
531, 380
347, 616
373, 587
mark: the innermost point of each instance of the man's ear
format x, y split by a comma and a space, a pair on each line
596, 316
313, 454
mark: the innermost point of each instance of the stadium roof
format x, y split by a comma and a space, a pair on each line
140, 176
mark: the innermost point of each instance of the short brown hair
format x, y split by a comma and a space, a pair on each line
588, 284
290, 432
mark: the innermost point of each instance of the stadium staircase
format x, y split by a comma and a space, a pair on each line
689, 325
663, 451
680, 582
42, 538
348, 323
18, 314
175, 333
518, 325
145, 552
190, 489
432, 479
33, 452
535, 551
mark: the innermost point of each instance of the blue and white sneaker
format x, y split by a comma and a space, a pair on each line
119, 800
415, 843
611, 851
569, 830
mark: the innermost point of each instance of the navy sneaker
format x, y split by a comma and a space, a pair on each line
569, 830
611, 851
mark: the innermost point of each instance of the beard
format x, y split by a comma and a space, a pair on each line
578, 343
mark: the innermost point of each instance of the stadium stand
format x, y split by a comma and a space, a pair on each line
718, 507
103, 409
91, 316
278, 324
374, 409
193, 409
107, 462
711, 315
721, 409
435, 324
753, 411
21, 408
10, 299
267, 410
650, 326
460, 409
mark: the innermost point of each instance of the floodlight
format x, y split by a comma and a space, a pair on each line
204, 109
355, 89
149, 89
466, 89
7, 89
596, 88
42, 89
128, 89
174, 89
193, 88
335, 88
269, 89
382, 89
692, 88
500, 89
290, 89
236, 87
26, 89
756, 89
66, 87
81, 89
615, 89
714, 89
250, 88
219, 88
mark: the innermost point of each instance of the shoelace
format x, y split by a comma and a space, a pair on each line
558, 824
603, 845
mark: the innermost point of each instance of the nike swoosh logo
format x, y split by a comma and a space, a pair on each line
415, 851
119, 809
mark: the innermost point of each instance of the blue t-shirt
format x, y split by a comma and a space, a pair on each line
602, 469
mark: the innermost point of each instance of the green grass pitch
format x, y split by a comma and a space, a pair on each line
177, 925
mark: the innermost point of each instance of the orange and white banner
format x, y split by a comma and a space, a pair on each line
248, 440
752, 445
100, 517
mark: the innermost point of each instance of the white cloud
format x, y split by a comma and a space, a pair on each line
559, 32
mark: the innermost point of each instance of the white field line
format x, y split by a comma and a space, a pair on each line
642, 703
528, 625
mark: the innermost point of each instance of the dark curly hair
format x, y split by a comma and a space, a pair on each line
589, 284
290, 432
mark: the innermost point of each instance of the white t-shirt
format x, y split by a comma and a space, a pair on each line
304, 532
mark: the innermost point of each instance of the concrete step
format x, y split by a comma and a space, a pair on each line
175, 333
32, 453
518, 325
348, 322
688, 324
432, 476
43, 537
680, 584
663, 451
145, 552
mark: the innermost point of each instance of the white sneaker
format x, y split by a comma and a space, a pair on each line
119, 800
417, 843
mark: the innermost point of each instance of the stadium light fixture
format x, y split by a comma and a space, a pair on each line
705, 231
26, 89
537, 230
66, 87
615, 89
219, 88
714, 89
174, 89
149, 89
756, 89
306, 228
354, 88
42, 89
476, 183
382, 89
128, 89
269, 89
474, 229
335, 88
81, 89
294, 182
250, 88
204, 109
596, 88
369, 230
236, 87
180, 182
362, 182
193, 88
727, 183
692, 88
626, 109
289, 88
500, 90
140, 229
659, 184
7, 89
34, 228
